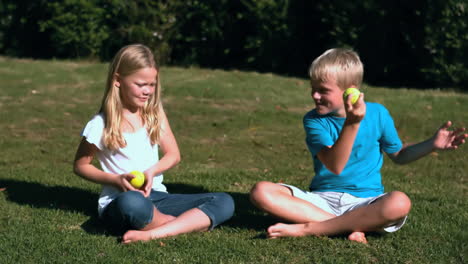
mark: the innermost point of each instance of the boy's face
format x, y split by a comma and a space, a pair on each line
328, 98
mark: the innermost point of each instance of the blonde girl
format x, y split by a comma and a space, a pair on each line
125, 135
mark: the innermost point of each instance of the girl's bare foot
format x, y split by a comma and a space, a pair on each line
136, 235
146, 234
193, 220
358, 237
284, 230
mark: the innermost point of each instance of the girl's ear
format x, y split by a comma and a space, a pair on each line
117, 80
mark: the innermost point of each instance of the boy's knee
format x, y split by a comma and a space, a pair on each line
259, 191
264, 192
399, 205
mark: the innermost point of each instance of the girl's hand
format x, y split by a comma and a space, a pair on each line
445, 139
355, 112
123, 183
148, 184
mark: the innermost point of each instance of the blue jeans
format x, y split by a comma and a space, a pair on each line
131, 210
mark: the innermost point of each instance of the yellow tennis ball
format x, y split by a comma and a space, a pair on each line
138, 180
354, 95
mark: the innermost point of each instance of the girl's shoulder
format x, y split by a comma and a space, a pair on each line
95, 125
94, 129
98, 118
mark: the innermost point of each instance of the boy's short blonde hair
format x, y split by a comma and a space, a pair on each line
342, 65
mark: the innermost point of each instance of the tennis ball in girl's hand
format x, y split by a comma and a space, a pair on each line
354, 95
138, 180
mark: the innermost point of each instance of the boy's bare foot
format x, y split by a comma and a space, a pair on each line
358, 237
296, 230
284, 230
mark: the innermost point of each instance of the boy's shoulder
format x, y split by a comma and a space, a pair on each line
376, 109
311, 114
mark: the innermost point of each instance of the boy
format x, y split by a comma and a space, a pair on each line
347, 142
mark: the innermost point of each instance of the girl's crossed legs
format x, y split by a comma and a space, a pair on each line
163, 214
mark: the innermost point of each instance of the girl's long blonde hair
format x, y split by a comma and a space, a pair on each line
128, 60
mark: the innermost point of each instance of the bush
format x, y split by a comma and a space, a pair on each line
418, 43
446, 43
210, 33
148, 22
76, 28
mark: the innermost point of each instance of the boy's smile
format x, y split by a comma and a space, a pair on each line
328, 98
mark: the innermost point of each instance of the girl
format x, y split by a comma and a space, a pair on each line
125, 136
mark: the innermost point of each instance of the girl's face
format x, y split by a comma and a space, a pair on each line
137, 88
328, 98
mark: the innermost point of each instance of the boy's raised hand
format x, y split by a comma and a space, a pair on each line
355, 112
445, 139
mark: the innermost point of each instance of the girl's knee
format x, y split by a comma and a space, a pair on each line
130, 210
130, 201
225, 204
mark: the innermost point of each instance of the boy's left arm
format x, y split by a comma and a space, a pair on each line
443, 139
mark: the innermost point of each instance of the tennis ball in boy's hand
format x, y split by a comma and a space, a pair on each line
138, 180
354, 94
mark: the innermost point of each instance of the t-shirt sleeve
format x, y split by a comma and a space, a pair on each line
316, 135
93, 131
390, 141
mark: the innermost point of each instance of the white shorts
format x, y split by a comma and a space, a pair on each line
338, 203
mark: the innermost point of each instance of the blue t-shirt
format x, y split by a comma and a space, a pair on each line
361, 175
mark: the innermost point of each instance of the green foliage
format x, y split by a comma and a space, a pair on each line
210, 33
148, 22
446, 42
270, 33
76, 27
419, 43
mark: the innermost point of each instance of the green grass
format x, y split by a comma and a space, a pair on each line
234, 129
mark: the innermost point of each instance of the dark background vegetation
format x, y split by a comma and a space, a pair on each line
420, 43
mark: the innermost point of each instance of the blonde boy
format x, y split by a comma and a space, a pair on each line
347, 142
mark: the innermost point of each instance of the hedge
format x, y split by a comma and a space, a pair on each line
419, 43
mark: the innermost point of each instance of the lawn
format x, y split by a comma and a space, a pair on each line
234, 129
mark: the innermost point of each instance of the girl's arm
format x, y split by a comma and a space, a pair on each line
170, 150
82, 167
443, 139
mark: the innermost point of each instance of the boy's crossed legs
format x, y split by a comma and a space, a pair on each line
309, 219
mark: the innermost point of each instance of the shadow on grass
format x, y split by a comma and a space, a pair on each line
247, 215
64, 198
73, 199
